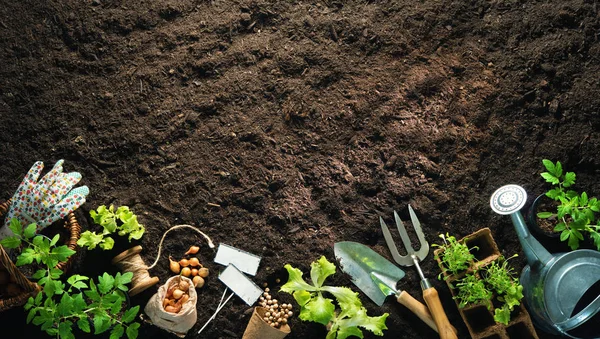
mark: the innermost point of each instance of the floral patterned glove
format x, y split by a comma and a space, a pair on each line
46, 201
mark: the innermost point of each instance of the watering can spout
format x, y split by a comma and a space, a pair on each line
508, 200
535, 253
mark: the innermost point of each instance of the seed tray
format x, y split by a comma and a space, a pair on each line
479, 320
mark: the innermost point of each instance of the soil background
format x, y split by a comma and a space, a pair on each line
282, 127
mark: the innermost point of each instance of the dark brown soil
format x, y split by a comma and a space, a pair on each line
282, 127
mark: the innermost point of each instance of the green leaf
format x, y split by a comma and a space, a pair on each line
16, 227
132, 330
583, 200
549, 165
550, 178
27, 256
545, 215
30, 315
502, 315
54, 240
105, 283
345, 332
107, 244
573, 241
61, 253
65, 305
89, 239
318, 309
123, 279
361, 319
320, 270
565, 235
64, 330
130, 314
29, 231
302, 297
295, 281
555, 193
11, 242
101, 323
558, 170
559, 228
569, 179
117, 332
346, 298
84, 325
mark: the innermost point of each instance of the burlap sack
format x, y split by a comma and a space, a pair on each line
258, 329
178, 323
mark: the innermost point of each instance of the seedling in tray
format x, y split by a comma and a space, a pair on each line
456, 256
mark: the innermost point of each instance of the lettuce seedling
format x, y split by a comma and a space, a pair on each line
122, 221
314, 306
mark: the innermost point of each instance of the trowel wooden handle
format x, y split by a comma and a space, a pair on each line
417, 308
432, 299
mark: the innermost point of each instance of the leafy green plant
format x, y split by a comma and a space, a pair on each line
455, 256
122, 221
314, 306
59, 306
501, 279
575, 212
472, 290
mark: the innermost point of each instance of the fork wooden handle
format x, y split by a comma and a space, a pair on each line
432, 299
417, 308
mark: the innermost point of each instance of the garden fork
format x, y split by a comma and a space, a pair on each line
430, 294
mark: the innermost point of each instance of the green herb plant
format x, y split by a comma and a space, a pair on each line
122, 221
472, 290
315, 306
59, 306
575, 212
496, 279
456, 256
501, 279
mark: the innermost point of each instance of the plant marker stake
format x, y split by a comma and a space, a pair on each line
243, 261
219, 307
240, 285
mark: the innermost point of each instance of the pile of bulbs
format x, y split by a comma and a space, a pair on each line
191, 268
276, 315
177, 295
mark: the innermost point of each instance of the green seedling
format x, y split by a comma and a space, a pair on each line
315, 306
122, 221
455, 256
575, 212
59, 306
501, 279
472, 290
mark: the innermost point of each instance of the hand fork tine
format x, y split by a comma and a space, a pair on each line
430, 294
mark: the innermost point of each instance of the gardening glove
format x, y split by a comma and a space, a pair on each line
46, 201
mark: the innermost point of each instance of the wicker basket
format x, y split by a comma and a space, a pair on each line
29, 288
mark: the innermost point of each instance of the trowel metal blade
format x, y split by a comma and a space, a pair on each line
372, 273
243, 287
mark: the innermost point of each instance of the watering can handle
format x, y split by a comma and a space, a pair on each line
581, 317
535, 253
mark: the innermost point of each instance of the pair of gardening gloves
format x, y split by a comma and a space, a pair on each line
45, 201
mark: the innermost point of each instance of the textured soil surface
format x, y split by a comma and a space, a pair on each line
282, 127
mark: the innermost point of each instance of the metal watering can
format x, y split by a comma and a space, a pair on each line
554, 285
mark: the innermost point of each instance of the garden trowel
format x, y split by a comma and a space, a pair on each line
377, 277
